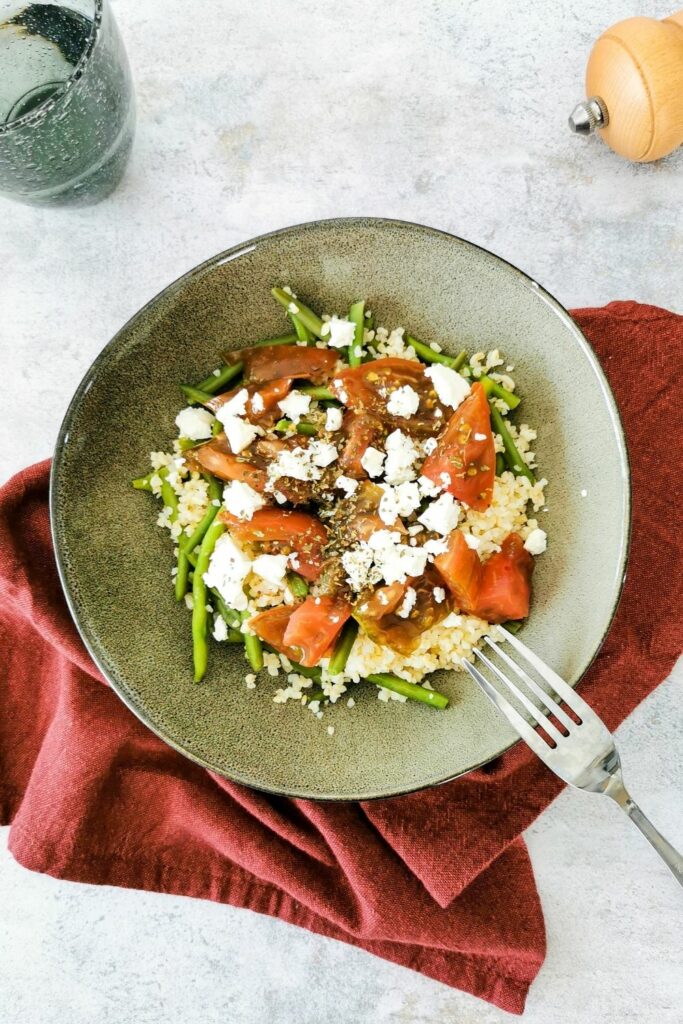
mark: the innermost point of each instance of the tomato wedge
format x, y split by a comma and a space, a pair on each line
313, 627
505, 589
275, 361
466, 453
361, 430
461, 570
277, 530
369, 387
216, 457
270, 626
261, 408
378, 613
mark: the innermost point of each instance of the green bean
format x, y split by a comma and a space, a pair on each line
317, 693
357, 317
190, 543
144, 483
253, 648
200, 616
302, 333
514, 460
283, 339
308, 318
428, 355
186, 443
342, 648
410, 690
194, 396
492, 387
500, 464
235, 637
297, 584
168, 495
284, 427
216, 381
322, 394
233, 618
513, 625
216, 428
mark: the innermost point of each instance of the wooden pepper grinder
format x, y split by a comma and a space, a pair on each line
634, 81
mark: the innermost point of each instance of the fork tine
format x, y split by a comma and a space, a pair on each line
549, 702
562, 689
529, 735
535, 712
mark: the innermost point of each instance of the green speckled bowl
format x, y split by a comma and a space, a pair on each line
115, 563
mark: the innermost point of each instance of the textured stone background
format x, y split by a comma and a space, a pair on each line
253, 116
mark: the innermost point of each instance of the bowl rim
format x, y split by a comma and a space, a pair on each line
235, 252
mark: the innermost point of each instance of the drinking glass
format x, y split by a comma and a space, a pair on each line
67, 110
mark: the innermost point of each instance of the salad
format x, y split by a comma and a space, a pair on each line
350, 505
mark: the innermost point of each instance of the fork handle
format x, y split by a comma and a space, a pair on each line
669, 854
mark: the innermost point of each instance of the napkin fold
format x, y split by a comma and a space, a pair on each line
438, 881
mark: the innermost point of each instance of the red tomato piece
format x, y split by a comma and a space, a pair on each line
461, 570
379, 618
272, 361
282, 531
505, 589
361, 430
369, 387
261, 408
466, 453
216, 457
313, 627
270, 626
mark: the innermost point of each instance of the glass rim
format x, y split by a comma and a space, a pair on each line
39, 113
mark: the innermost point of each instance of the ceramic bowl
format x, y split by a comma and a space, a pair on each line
116, 564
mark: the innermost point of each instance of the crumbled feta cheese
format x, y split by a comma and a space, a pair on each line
428, 489
435, 547
415, 529
402, 453
451, 388
280, 497
295, 405
536, 542
430, 445
235, 406
297, 464
330, 730
346, 484
480, 437
293, 308
350, 703
584, 493
439, 595
271, 568
250, 680
435, 347
239, 433
322, 453
189, 601
408, 603
228, 569
241, 500
398, 501
286, 288
472, 542
372, 461
257, 403
340, 333
441, 516
195, 424
404, 402
220, 628
333, 419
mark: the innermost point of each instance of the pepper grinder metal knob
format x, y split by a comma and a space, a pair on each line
589, 115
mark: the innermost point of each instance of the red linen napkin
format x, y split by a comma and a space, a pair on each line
438, 881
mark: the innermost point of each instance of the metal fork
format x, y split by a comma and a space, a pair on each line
582, 753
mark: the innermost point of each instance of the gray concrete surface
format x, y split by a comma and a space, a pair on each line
252, 117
